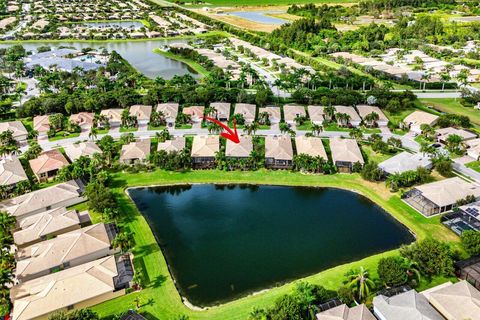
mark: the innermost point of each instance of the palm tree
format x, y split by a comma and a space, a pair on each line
343, 118
93, 133
251, 128
427, 131
316, 129
360, 283
329, 112
393, 181
371, 118
444, 77
356, 134
124, 241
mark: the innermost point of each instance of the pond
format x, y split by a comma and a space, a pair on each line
138, 53
260, 16
224, 242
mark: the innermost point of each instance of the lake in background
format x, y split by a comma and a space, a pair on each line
259, 16
138, 53
223, 242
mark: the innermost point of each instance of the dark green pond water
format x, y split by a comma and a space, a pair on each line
223, 242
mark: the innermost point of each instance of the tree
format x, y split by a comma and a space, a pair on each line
392, 271
453, 143
360, 283
471, 242
371, 172
356, 134
124, 241
99, 197
286, 307
443, 166
431, 256
7, 222
316, 129
82, 314
56, 121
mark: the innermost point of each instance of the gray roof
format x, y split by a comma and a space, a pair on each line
53, 53
405, 161
410, 305
63, 64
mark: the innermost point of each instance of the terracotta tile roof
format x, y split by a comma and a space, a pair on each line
41, 123
48, 161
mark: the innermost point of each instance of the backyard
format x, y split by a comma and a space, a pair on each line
160, 296
453, 106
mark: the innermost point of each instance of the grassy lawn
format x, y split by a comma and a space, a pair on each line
128, 129
192, 64
150, 127
375, 156
64, 135
160, 298
396, 118
453, 106
183, 126
235, 3
334, 127
475, 165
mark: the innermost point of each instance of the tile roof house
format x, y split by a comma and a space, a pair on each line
409, 305
312, 146
247, 110
274, 113
343, 312
455, 301
78, 287
204, 149
19, 132
170, 112
440, 196
142, 113
316, 114
444, 133
405, 161
278, 152
243, 149
38, 227
414, 120
176, 144
64, 251
114, 116
11, 172
354, 120
41, 124
137, 151
47, 164
196, 112
60, 195
83, 119
85, 149
290, 112
345, 153
223, 110
364, 110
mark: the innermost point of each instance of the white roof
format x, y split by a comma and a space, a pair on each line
205, 146
446, 132
345, 150
290, 112
142, 112
175, 144
11, 171
17, 128
405, 161
86, 149
316, 113
348, 110
343, 312
169, 110
57, 291
246, 109
273, 112
113, 114
312, 146
420, 117
223, 108
448, 191
135, 150
364, 110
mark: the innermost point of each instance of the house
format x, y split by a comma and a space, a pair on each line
455, 301
409, 305
83, 119
11, 172
195, 112
440, 196
67, 250
41, 124
354, 118
142, 113
240, 150
247, 110
19, 132
137, 151
405, 161
343, 312
223, 110
444, 133
82, 149
274, 113
364, 110
278, 152
176, 144
204, 150
345, 153
47, 224
114, 116
60, 195
79, 287
317, 114
473, 148
291, 112
414, 120
170, 112
47, 164
312, 146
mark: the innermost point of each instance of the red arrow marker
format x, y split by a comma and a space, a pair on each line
229, 134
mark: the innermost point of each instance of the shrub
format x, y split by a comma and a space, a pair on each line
392, 271
471, 242
431, 256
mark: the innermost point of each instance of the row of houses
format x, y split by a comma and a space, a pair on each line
63, 262
279, 150
451, 301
